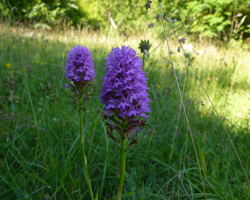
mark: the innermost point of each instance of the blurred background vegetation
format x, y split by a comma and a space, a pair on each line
217, 19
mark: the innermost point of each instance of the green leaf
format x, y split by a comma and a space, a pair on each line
19, 193
73, 6
96, 196
128, 194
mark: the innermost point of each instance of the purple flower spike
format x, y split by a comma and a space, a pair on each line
124, 86
80, 67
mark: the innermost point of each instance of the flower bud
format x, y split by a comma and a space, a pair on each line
147, 5
151, 25
158, 17
182, 40
168, 20
174, 20
179, 49
187, 20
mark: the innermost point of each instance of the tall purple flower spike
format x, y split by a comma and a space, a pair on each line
79, 66
124, 87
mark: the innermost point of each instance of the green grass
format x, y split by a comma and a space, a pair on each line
40, 150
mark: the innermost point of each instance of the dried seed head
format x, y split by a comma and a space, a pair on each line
48, 86
146, 52
174, 20
147, 5
168, 20
179, 49
158, 17
187, 20
151, 25
182, 40
41, 86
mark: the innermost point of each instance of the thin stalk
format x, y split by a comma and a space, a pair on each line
189, 129
215, 112
143, 60
122, 167
85, 165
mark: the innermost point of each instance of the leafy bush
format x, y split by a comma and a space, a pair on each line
222, 19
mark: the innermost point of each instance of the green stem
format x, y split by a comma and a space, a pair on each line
85, 165
122, 167
143, 60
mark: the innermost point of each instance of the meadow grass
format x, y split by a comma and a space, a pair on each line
40, 152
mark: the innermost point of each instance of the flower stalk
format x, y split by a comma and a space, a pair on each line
85, 165
122, 167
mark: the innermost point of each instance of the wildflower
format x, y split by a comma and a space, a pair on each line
158, 86
51, 59
37, 61
79, 66
125, 97
124, 86
168, 20
80, 72
21, 70
8, 65
179, 49
187, 20
151, 25
174, 20
182, 40
9, 73
158, 17
157, 65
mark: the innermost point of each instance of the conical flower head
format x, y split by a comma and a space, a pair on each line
80, 66
124, 84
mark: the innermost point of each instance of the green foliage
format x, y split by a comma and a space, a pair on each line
44, 13
222, 19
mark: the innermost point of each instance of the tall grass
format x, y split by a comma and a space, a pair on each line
42, 159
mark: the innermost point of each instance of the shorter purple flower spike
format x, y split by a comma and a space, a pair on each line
124, 87
79, 66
